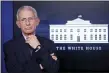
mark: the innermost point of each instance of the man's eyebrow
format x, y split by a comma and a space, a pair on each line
22, 18
25, 18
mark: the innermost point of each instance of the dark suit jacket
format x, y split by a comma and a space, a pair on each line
18, 58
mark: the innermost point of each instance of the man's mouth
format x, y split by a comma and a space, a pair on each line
28, 28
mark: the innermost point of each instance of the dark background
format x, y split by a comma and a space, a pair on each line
58, 12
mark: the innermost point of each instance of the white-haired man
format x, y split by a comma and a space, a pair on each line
29, 53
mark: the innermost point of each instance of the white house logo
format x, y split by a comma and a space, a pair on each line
79, 31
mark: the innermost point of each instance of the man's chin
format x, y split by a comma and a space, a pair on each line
29, 33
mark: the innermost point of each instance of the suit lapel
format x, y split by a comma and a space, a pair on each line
25, 49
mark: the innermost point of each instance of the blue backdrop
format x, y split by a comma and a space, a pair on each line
6, 27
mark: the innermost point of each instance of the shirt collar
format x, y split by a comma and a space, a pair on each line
25, 36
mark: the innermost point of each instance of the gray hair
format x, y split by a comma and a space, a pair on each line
28, 8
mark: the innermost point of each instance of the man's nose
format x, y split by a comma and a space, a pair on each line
27, 23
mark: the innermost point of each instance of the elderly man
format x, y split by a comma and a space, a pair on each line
29, 53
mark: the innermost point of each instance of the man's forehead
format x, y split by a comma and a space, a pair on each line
26, 13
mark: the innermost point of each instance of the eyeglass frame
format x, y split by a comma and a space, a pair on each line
24, 20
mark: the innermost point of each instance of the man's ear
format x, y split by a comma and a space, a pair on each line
18, 24
37, 21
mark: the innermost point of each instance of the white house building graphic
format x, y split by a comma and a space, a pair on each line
79, 31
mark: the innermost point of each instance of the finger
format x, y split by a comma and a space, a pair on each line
32, 36
41, 66
54, 57
27, 37
26, 41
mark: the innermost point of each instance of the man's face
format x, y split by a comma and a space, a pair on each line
27, 21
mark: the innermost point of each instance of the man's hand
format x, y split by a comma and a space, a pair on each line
53, 56
41, 66
32, 41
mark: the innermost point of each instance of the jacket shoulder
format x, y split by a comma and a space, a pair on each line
8, 43
46, 40
8, 46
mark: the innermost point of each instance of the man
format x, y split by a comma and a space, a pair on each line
29, 53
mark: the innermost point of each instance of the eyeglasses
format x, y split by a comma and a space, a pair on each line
24, 20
